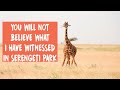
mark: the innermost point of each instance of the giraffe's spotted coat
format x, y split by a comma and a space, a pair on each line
69, 49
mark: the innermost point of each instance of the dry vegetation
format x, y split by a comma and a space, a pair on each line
94, 61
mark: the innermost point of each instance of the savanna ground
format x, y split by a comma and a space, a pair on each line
94, 62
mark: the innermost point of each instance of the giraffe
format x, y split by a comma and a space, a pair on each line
69, 49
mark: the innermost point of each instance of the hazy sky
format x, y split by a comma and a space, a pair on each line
90, 27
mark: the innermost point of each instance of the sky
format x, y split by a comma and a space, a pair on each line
89, 27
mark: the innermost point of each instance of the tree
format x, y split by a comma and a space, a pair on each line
73, 39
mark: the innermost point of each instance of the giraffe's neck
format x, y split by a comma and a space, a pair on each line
66, 34
66, 37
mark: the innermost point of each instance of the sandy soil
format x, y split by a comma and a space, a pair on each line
94, 62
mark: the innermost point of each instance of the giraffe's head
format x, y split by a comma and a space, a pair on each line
66, 24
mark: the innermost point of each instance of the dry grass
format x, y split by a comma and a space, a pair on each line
94, 62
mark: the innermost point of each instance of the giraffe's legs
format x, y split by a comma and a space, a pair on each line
68, 60
67, 63
64, 60
73, 60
